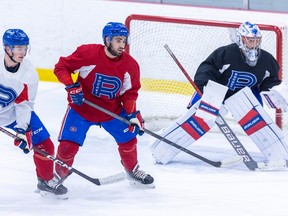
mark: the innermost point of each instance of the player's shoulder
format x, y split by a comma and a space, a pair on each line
130, 61
28, 72
266, 54
85, 47
225, 49
228, 48
129, 58
266, 58
87, 50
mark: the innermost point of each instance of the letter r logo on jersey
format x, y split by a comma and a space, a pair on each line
240, 79
7, 95
106, 86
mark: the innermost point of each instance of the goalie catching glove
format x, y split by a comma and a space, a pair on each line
137, 123
277, 97
24, 140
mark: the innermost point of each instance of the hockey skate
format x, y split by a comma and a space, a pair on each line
52, 188
140, 178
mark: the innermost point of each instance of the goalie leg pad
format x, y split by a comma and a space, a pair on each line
185, 131
211, 101
258, 125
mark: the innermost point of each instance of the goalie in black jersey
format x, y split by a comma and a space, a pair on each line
238, 75
240, 64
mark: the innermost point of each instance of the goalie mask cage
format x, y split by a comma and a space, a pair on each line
165, 91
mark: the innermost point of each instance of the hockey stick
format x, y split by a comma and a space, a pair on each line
98, 181
222, 163
221, 123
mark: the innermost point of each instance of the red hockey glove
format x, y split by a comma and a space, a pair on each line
137, 123
24, 140
75, 92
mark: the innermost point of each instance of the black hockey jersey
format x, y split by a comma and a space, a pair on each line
227, 66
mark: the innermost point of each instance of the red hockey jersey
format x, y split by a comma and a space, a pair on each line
106, 82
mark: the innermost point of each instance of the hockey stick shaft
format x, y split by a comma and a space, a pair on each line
212, 163
98, 181
220, 122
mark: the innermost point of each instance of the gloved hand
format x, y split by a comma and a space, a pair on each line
194, 99
137, 123
276, 98
24, 140
75, 92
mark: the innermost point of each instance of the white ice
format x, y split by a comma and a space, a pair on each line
187, 186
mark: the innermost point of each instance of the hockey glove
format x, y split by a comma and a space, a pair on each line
275, 98
137, 123
24, 140
75, 92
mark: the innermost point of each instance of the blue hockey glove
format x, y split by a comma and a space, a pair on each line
24, 140
75, 92
137, 123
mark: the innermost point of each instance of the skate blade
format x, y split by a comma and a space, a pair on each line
50, 195
140, 185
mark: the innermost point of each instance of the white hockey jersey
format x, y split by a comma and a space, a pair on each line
23, 83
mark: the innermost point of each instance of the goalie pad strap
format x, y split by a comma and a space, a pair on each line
252, 122
211, 101
195, 127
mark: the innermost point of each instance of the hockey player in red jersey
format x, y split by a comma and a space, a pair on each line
110, 78
18, 86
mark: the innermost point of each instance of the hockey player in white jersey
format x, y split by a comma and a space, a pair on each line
18, 89
246, 71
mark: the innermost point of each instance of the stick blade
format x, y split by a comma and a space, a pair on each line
231, 161
113, 179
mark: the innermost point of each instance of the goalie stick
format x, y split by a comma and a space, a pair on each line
222, 163
221, 123
230, 135
98, 181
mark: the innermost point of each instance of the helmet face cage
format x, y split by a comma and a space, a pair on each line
15, 37
249, 41
112, 29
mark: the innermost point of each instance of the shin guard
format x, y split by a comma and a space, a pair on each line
66, 152
128, 154
44, 166
186, 130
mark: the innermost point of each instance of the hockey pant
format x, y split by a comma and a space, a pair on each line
258, 125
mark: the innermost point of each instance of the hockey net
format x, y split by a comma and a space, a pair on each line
165, 91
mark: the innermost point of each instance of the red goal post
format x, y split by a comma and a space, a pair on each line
165, 91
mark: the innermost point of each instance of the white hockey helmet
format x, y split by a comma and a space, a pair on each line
249, 41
